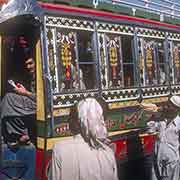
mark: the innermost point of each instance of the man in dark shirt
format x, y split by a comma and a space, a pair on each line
15, 106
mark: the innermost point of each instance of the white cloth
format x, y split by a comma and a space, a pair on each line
167, 148
92, 121
74, 159
86, 156
4, 6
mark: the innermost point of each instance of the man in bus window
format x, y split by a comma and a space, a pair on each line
16, 106
87, 154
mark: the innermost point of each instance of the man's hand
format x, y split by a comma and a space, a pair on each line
20, 89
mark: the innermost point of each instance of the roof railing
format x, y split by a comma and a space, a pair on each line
169, 8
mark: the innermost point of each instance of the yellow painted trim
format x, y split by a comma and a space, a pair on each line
52, 141
123, 104
61, 112
155, 100
39, 85
117, 105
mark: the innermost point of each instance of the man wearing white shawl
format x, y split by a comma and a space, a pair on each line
87, 156
166, 162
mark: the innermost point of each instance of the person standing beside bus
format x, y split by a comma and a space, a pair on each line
87, 156
166, 152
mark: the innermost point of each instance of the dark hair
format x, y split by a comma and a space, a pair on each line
27, 53
74, 119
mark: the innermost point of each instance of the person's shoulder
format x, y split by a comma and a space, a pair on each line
64, 143
177, 120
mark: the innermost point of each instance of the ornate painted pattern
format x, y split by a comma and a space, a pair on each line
52, 58
141, 62
114, 28
67, 100
120, 95
155, 91
175, 89
173, 36
110, 60
69, 23
151, 33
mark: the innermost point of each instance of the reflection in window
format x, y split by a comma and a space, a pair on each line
116, 61
71, 60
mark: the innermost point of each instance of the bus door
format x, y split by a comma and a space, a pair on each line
20, 36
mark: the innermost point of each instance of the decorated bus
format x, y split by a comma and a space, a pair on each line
122, 51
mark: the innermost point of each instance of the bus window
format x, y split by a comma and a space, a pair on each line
175, 61
152, 58
87, 62
71, 60
128, 62
116, 60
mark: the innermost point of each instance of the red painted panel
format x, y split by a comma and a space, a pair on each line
121, 153
148, 143
121, 149
39, 164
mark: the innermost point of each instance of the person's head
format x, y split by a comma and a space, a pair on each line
171, 107
30, 65
87, 118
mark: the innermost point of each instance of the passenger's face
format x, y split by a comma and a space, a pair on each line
170, 110
30, 65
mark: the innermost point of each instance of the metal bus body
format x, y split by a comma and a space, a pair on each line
85, 52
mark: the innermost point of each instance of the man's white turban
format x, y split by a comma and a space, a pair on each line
91, 117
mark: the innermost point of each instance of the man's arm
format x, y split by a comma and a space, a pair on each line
20, 89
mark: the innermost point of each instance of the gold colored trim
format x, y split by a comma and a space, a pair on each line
61, 112
155, 100
52, 141
123, 104
117, 105
39, 84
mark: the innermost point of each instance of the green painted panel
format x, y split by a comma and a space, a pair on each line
147, 15
172, 20
115, 8
68, 2
82, 3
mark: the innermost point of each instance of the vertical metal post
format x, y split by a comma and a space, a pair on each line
167, 60
47, 91
136, 59
97, 55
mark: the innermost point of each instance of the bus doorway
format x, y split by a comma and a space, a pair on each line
19, 42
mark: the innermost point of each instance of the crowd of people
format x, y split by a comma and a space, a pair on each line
90, 140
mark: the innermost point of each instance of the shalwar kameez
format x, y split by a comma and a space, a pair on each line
166, 152
86, 156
